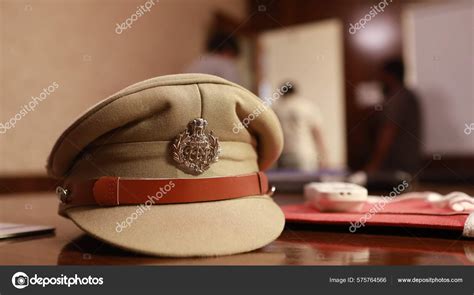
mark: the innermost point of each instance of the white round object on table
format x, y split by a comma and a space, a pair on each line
335, 196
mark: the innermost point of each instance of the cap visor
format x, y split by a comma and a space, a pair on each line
185, 230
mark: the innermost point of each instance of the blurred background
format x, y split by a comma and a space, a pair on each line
384, 87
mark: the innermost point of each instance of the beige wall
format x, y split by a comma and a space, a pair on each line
311, 56
74, 44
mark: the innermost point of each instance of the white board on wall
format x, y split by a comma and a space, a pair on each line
438, 49
311, 56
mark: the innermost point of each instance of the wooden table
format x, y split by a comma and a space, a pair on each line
296, 245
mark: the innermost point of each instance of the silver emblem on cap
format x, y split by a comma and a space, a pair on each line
63, 194
195, 149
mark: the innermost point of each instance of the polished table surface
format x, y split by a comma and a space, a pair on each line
296, 246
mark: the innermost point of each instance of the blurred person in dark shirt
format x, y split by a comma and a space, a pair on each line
398, 142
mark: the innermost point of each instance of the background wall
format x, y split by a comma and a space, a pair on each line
363, 52
310, 56
441, 68
74, 44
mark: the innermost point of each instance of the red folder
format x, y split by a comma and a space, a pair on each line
415, 213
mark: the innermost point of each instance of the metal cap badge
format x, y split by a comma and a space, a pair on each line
194, 149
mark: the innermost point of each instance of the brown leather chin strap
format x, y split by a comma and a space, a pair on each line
116, 191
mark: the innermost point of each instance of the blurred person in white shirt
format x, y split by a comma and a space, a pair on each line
301, 121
